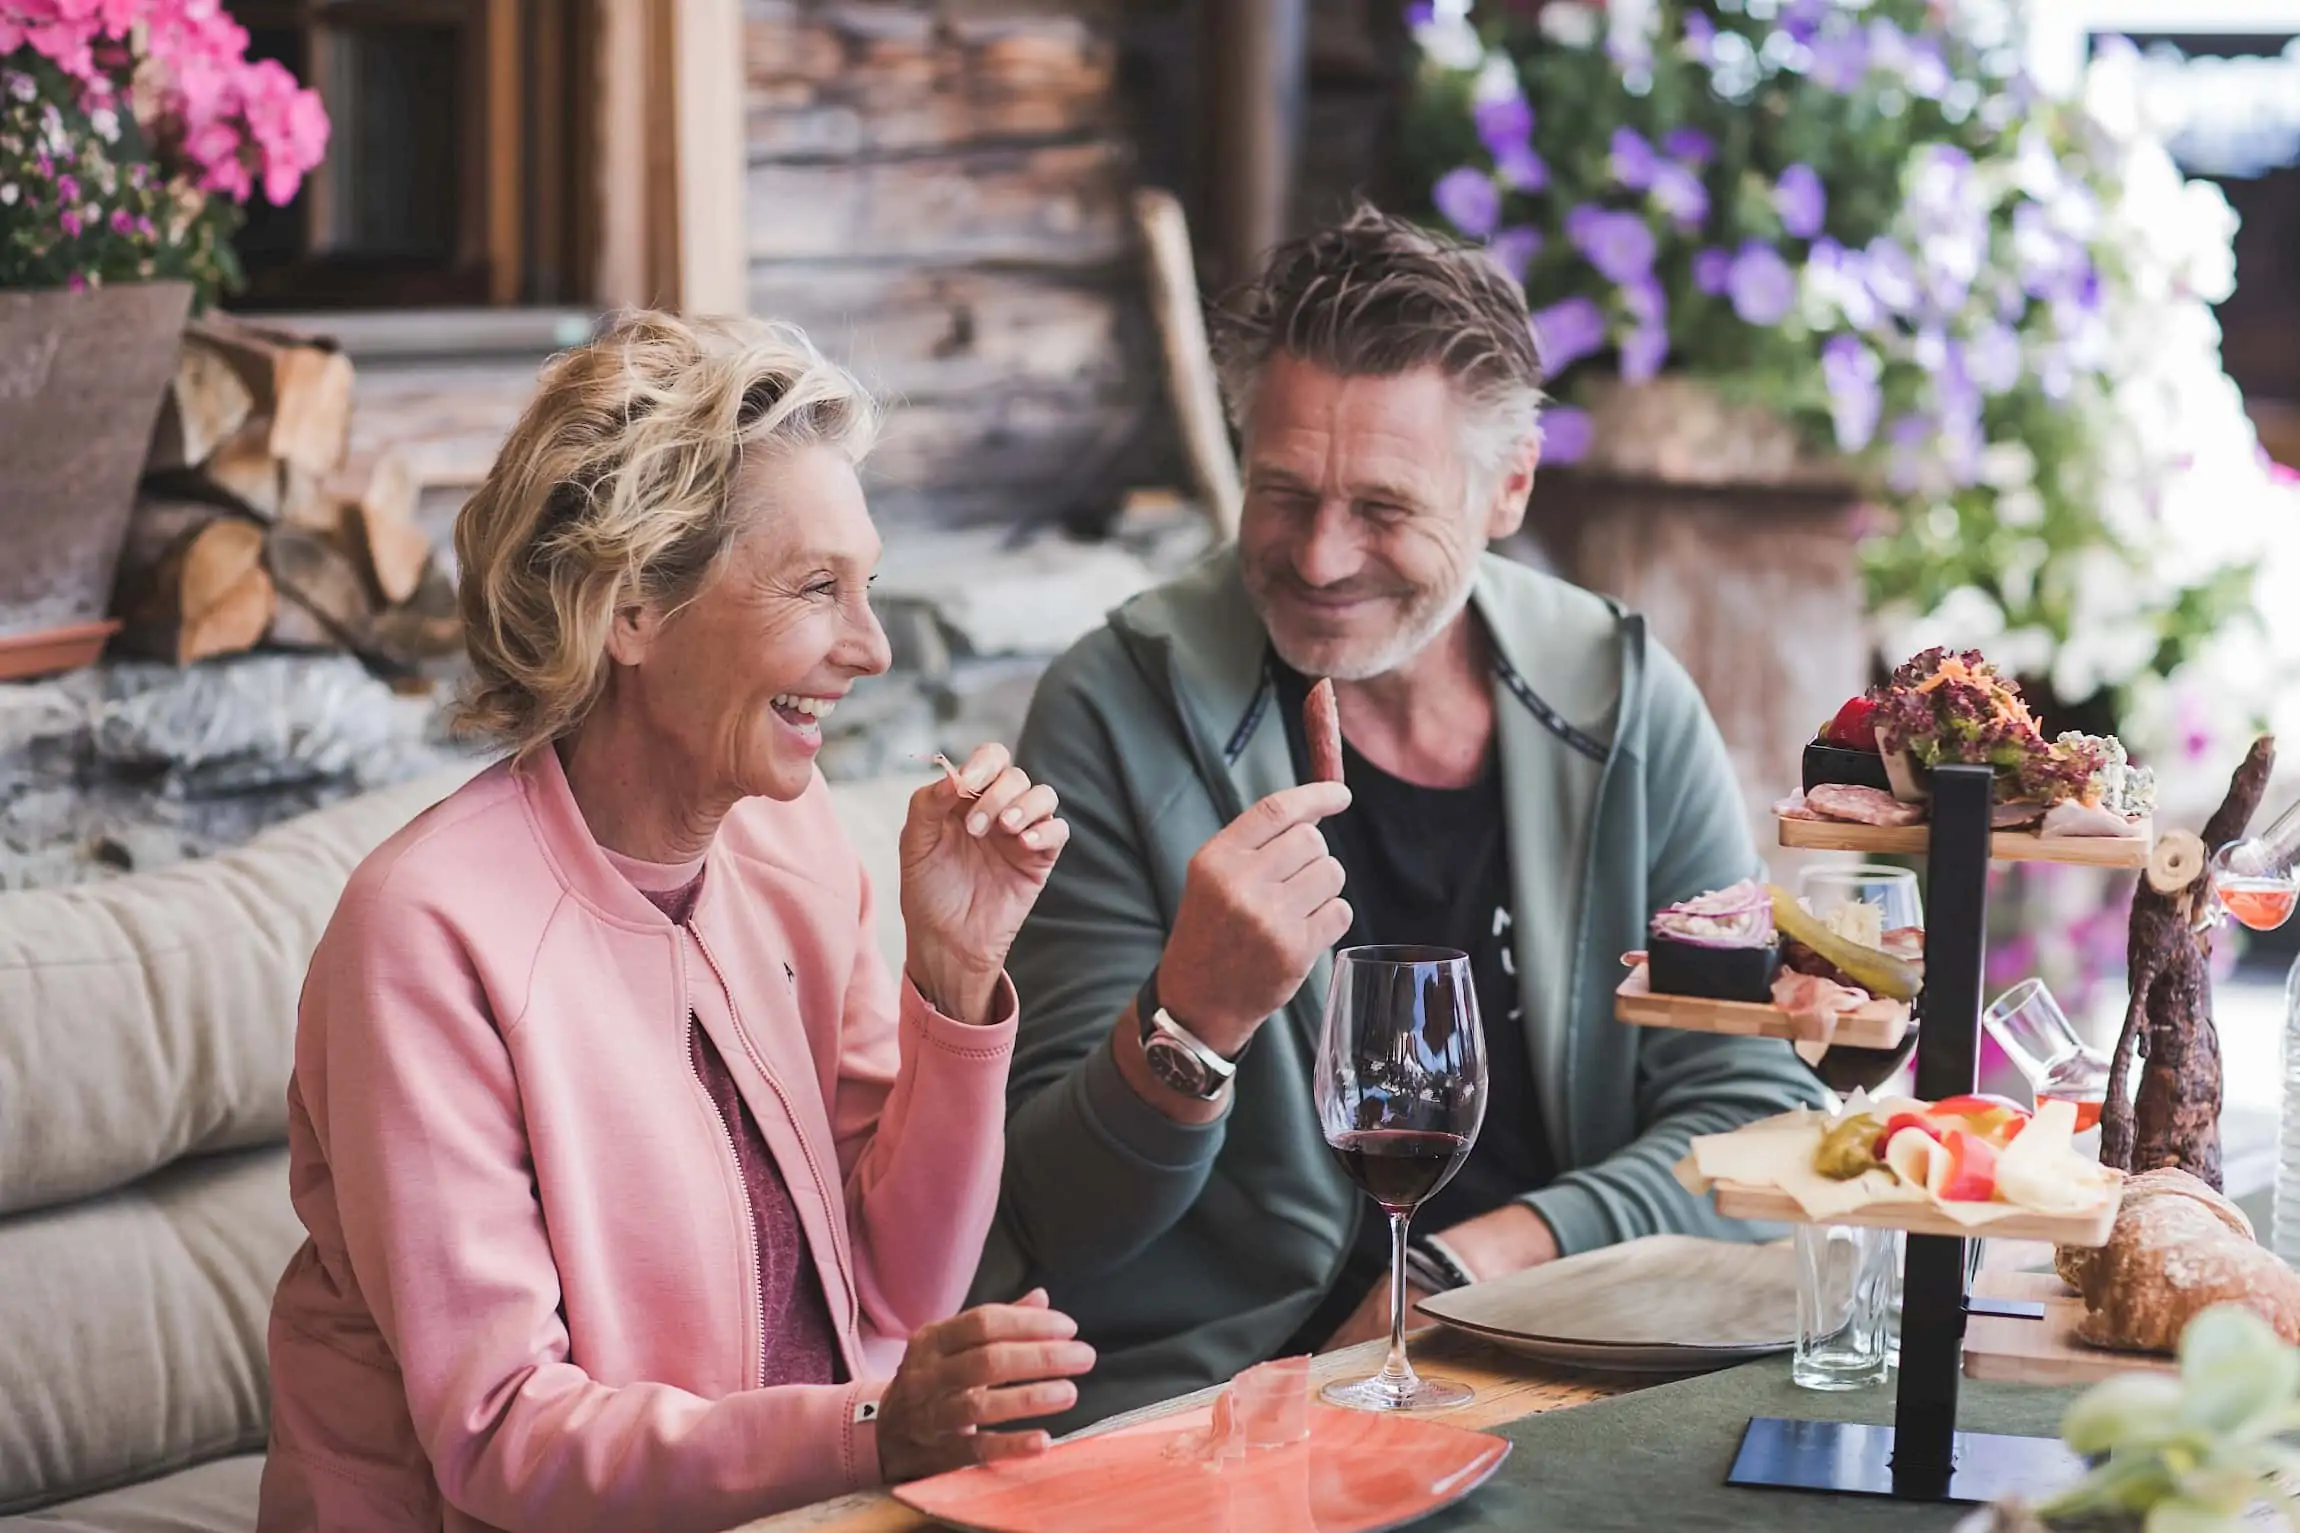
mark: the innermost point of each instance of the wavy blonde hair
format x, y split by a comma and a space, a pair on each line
617, 487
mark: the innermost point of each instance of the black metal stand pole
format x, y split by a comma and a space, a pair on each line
1933, 1281
1922, 1456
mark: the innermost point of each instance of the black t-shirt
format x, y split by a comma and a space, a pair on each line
1431, 865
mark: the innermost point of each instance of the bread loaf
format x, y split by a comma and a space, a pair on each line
2178, 1248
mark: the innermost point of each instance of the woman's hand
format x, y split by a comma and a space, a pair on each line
989, 1365
975, 852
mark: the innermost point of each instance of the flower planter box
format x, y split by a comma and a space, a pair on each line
81, 379
1739, 548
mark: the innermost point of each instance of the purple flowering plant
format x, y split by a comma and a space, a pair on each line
1864, 217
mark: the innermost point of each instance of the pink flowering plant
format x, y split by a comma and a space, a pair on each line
1994, 304
132, 132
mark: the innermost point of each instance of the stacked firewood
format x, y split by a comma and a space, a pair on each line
256, 526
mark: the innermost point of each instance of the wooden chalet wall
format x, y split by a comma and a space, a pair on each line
938, 190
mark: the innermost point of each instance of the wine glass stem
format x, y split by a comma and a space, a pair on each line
1397, 1374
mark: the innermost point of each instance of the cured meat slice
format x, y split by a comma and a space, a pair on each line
2014, 816
1793, 808
1861, 806
1810, 998
1322, 724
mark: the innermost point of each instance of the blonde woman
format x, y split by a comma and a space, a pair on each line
639, 1195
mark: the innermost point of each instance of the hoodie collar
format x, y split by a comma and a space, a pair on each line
574, 853
1548, 656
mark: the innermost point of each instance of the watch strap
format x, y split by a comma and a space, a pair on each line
1434, 1265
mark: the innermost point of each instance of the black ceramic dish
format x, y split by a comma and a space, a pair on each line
1718, 973
1834, 763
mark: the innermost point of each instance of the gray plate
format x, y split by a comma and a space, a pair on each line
1665, 1303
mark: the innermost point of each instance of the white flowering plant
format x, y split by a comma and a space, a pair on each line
1994, 305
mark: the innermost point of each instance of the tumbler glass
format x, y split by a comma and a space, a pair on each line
1844, 1289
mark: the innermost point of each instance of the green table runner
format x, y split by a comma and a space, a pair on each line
1658, 1458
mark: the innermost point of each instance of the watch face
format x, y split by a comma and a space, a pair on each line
1172, 1064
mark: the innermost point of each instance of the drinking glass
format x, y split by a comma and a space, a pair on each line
2257, 879
1893, 891
1844, 1305
2036, 1036
1401, 1093
1843, 1270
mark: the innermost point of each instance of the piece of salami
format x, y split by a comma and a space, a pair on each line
1322, 724
1861, 806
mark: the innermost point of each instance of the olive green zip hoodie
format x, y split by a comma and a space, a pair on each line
1187, 1252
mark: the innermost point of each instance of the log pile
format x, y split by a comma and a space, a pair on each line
257, 526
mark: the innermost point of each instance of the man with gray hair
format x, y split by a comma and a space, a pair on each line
1527, 777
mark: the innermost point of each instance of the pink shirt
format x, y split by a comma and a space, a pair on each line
530, 1297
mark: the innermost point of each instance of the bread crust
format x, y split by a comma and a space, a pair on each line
2177, 1249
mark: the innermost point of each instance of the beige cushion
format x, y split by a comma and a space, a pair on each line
132, 1327
154, 1016
212, 1498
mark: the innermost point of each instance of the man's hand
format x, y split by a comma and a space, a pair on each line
1262, 900
1495, 1244
1370, 1321
1507, 1239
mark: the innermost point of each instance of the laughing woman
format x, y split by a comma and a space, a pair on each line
628, 1171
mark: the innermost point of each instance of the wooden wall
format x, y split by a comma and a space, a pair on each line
938, 190
1360, 55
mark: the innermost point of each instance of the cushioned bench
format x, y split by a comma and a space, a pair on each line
146, 1027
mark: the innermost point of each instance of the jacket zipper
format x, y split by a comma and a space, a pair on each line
806, 1152
758, 1293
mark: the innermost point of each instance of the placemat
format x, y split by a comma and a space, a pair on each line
1657, 1459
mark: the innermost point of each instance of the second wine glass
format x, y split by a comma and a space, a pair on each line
1401, 1094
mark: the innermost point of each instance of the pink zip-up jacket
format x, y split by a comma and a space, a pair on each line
530, 1296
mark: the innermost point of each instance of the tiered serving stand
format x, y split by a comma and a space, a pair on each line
1922, 1456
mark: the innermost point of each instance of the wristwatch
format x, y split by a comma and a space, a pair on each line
1179, 1059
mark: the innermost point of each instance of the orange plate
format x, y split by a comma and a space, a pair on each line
1361, 1471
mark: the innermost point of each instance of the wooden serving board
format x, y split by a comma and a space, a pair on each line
2005, 846
2044, 1351
1739, 1200
1881, 1024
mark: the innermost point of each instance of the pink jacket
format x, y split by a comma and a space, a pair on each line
529, 1298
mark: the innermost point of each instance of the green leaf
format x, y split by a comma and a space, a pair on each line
2234, 1370
2132, 1410
2186, 1517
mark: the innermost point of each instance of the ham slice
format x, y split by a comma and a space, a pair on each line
1814, 1000
1793, 808
2071, 818
1861, 806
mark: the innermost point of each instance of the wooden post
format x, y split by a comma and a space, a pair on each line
1256, 60
1191, 386
707, 103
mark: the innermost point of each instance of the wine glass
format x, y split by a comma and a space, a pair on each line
1401, 1095
1893, 892
2038, 1039
2257, 879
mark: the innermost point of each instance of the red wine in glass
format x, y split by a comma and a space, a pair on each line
1400, 1088
1400, 1168
1843, 1067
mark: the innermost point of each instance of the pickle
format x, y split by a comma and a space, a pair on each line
1873, 969
1849, 1148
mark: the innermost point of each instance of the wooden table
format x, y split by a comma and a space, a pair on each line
1508, 1387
